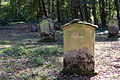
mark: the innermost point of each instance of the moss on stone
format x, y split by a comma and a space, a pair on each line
79, 72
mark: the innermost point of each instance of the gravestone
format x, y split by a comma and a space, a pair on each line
113, 28
47, 30
79, 46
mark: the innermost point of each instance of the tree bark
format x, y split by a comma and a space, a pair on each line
40, 9
48, 1
0, 4
81, 12
117, 8
103, 14
0, 9
58, 11
75, 9
87, 17
109, 10
53, 6
94, 13
44, 8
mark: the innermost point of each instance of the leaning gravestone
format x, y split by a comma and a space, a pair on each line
113, 28
47, 30
78, 46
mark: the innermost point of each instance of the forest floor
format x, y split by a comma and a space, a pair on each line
23, 57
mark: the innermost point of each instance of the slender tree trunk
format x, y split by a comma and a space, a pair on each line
75, 9
89, 11
75, 13
53, 6
67, 12
71, 9
0, 4
44, 8
58, 11
37, 14
86, 12
109, 10
103, 14
81, 12
53, 9
117, 8
0, 9
40, 9
48, 1
94, 13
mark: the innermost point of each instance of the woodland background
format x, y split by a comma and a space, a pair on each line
98, 12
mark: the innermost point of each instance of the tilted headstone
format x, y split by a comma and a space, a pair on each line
79, 46
47, 29
113, 28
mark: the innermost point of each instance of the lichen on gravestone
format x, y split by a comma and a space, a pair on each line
79, 60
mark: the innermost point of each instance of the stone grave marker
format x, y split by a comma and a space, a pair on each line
113, 28
78, 46
47, 30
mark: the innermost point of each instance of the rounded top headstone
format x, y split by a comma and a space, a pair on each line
79, 22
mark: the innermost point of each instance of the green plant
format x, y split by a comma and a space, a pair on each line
15, 51
39, 61
25, 77
48, 51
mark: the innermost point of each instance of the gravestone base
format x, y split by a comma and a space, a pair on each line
79, 61
47, 37
113, 35
78, 72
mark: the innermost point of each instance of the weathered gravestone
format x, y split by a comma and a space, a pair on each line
47, 30
78, 46
113, 28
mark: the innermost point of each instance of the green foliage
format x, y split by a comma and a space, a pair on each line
25, 77
39, 61
48, 51
28, 10
16, 51
3, 22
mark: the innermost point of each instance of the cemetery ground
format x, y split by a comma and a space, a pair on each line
23, 57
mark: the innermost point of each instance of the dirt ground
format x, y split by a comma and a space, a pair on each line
107, 54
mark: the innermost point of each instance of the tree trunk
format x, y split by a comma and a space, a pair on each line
94, 13
0, 4
40, 9
117, 8
86, 12
103, 14
109, 10
58, 11
48, 1
81, 13
44, 8
75, 9
75, 13
53, 6
89, 11
0, 9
